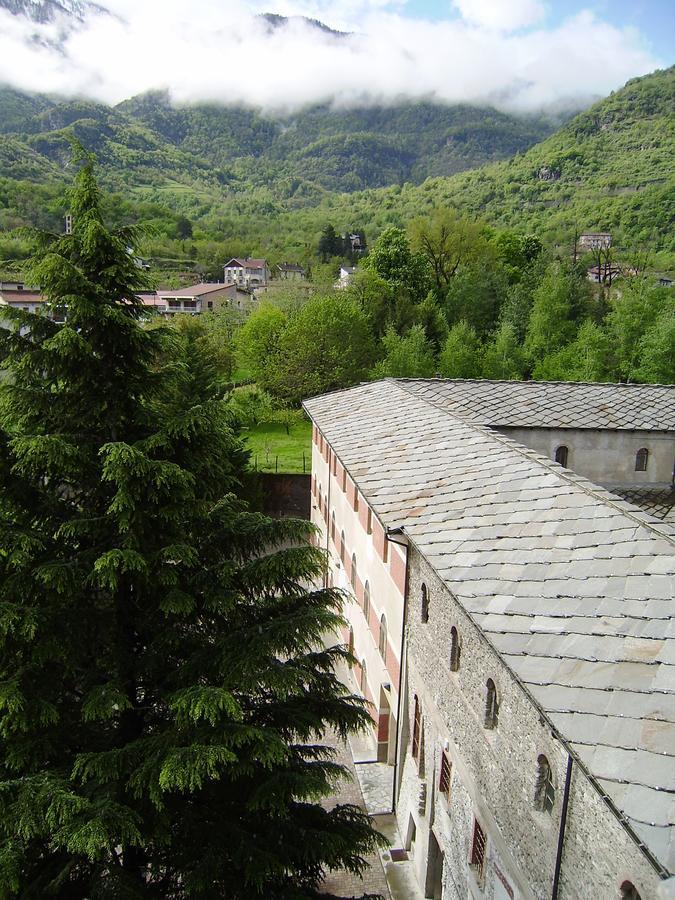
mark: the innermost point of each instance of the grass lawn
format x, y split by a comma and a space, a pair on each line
242, 369
273, 450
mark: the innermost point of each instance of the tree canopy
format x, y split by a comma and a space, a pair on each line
165, 686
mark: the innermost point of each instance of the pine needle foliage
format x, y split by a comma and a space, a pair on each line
165, 690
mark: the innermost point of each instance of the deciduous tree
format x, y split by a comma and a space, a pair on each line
461, 353
407, 356
448, 241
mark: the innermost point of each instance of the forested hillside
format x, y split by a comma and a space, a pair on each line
333, 150
610, 168
251, 184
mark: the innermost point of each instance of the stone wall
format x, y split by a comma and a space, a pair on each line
606, 457
494, 773
286, 495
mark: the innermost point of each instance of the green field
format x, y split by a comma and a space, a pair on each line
272, 450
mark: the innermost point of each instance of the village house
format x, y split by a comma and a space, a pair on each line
291, 272
16, 295
345, 277
595, 240
249, 273
510, 620
200, 298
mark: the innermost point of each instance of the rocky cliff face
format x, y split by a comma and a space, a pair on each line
43, 11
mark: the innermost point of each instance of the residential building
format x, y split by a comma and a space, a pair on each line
250, 273
17, 296
198, 298
515, 637
345, 277
291, 272
595, 240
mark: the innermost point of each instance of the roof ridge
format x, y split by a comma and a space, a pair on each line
585, 484
628, 384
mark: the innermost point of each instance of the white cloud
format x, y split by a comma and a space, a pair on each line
201, 51
502, 15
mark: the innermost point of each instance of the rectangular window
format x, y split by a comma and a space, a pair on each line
478, 847
370, 521
344, 479
446, 775
417, 722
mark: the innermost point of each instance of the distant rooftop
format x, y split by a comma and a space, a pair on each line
196, 290
248, 262
571, 585
546, 404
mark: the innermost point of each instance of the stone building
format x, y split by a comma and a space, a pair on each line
516, 635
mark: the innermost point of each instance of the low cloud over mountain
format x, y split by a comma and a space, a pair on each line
492, 53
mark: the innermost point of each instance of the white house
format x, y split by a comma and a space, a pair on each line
250, 273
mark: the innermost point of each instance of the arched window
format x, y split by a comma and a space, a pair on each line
332, 526
544, 792
425, 603
491, 705
352, 578
363, 684
382, 643
454, 650
366, 601
561, 454
641, 460
342, 548
350, 646
629, 891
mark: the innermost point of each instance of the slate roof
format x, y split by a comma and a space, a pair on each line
572, 585
546, 404
658, 502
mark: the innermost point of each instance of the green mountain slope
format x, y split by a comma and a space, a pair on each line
349, 149
610, 168
257, 185
146, 139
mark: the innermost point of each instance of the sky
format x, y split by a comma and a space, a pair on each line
518, 55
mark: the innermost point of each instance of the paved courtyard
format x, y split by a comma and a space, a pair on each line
371, 789
373, 880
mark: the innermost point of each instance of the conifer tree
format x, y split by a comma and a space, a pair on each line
164, 688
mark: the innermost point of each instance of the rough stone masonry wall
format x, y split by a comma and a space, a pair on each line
494, 772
